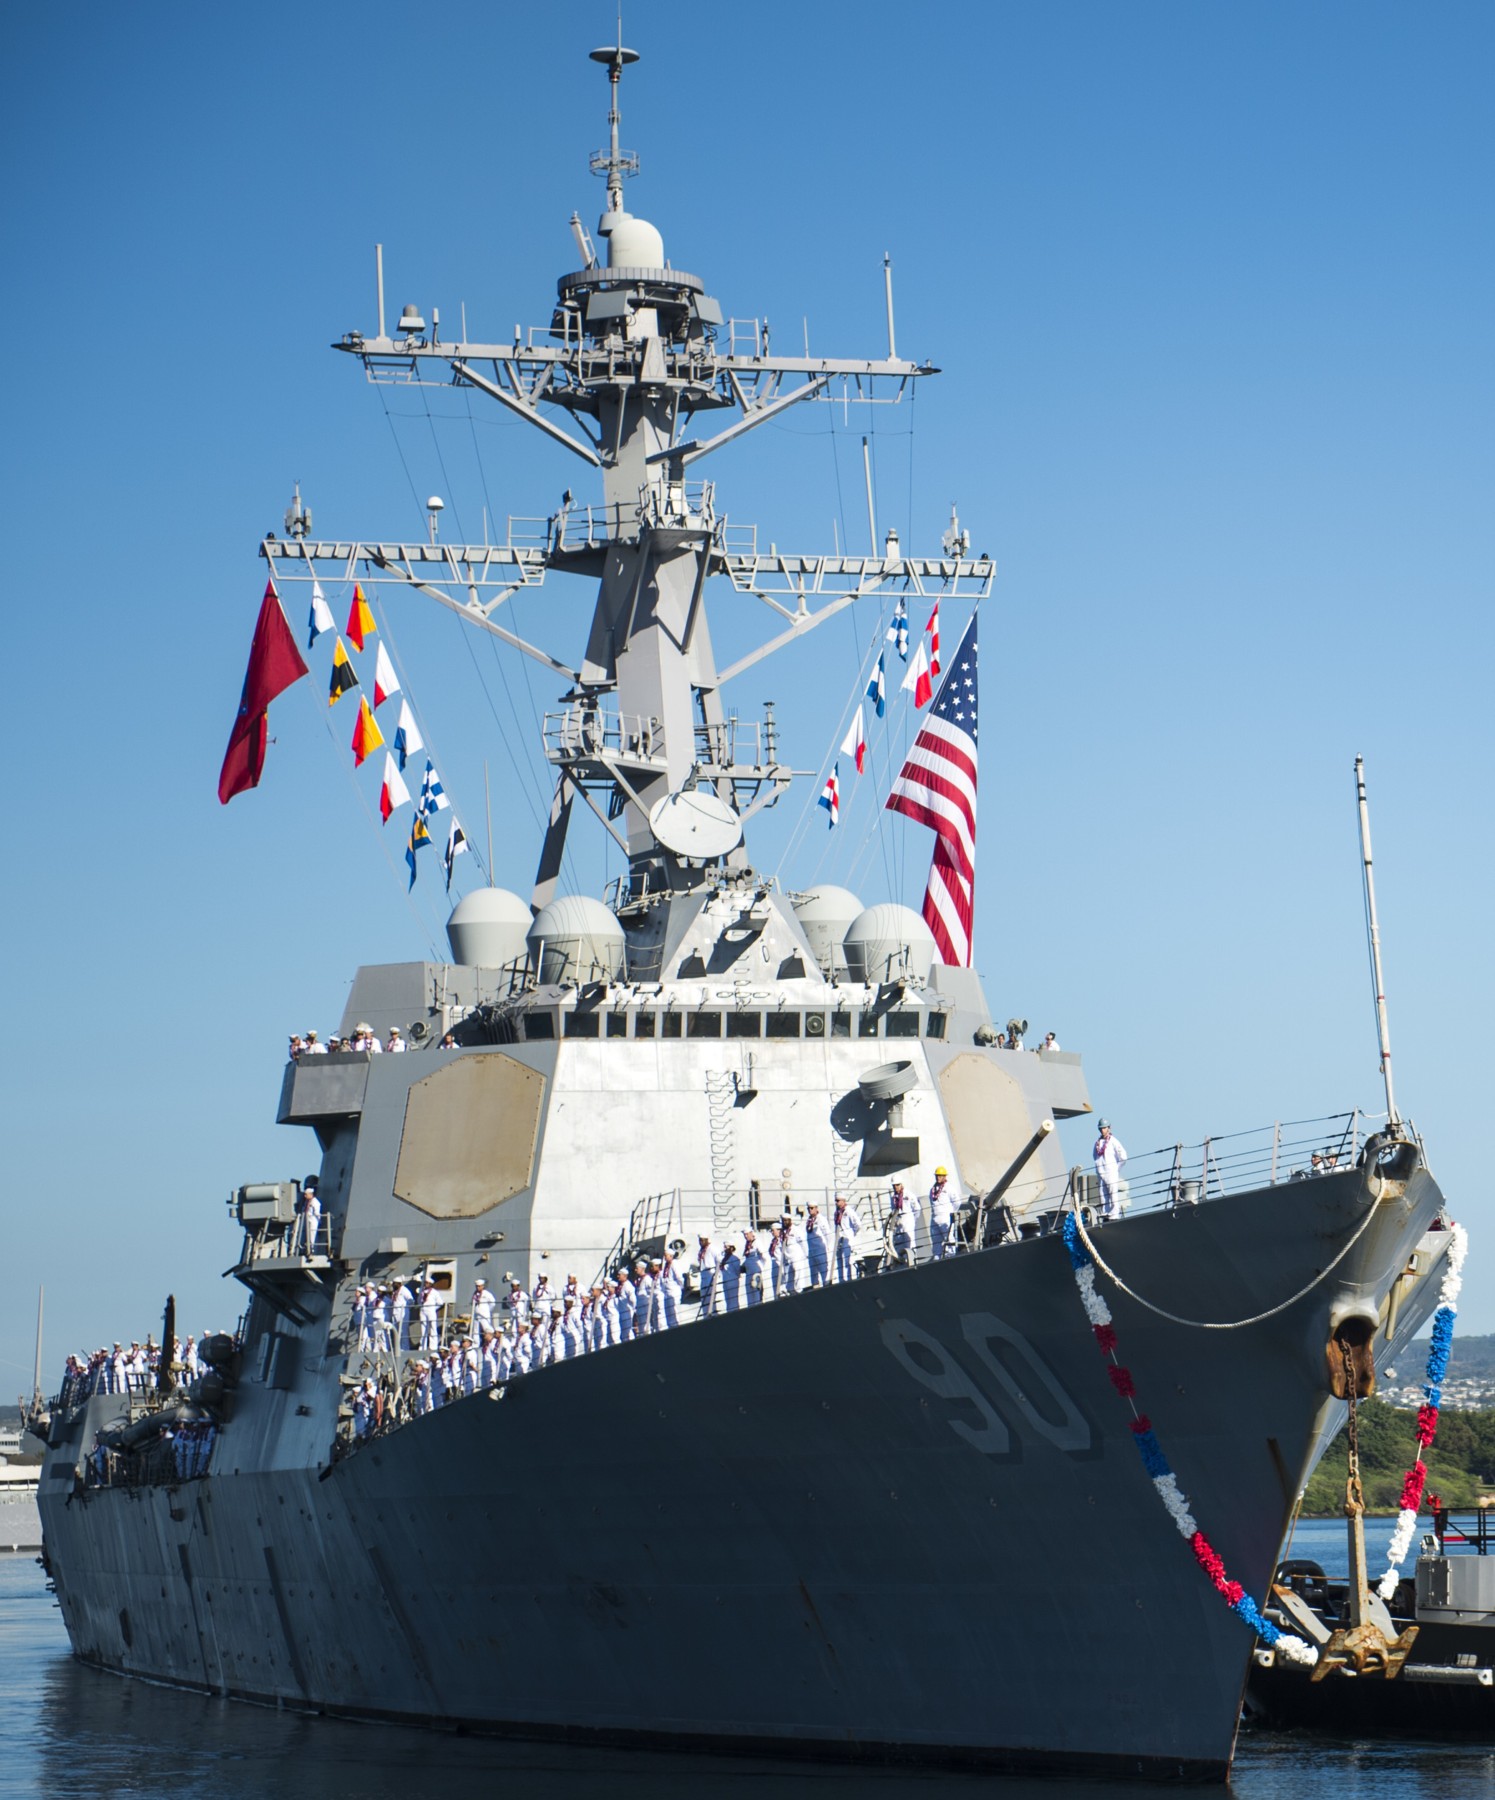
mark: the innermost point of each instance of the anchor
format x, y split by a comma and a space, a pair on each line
1368, 1644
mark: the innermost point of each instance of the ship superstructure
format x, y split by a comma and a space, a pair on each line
839, 1488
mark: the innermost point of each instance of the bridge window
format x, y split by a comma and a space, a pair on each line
539, 1025
582, 1024
781, 1025
903, 1024
705, 1024
617, 1024
670, 1025
643, 1025
934, 1025
744, 1024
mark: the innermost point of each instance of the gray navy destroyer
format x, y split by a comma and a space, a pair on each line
898, 1516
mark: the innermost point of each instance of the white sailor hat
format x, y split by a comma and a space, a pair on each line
557, 1308
480, 1282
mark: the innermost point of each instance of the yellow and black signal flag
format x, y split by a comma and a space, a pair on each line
343, 677
367, 736
360, 619
419, 839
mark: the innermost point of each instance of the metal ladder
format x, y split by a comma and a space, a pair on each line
721, 1099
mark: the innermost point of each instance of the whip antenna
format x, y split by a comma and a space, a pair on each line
1373, 931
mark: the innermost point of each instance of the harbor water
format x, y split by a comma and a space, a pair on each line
73, 1734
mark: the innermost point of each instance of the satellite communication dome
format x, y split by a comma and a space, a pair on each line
632, 243
488, 927
889, 943
826, 913
577, 939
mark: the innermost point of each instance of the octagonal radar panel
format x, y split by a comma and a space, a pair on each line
695, 824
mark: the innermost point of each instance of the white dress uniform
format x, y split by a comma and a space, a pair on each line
643, 1293
846, 1227
776, 1261
905, 1211
1110, 1160
755, 1274
796, 1261
524, 1352
482, 1307
627, 1305
399, 1313
672, 1288
517, 1306
708, 1260
818, 1248
730, 1277
430, 1318
944, 1197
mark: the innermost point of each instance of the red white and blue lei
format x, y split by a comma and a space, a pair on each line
1156, 1464
1427, 1413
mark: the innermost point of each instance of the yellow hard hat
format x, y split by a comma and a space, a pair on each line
942, 1170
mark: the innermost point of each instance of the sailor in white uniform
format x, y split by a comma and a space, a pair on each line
673, 1290
708, 1259
430, 1316
399, 1313
659, 1319
730, 1278
1110, 1160
817, 1247
944, 1197
310, 1208
517, 1305
845, 1228
753, 1269
482, 1305
903, 1209
627, 1305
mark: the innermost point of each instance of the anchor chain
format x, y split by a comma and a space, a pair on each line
1367, 1644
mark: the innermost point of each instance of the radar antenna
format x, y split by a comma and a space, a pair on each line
614, 163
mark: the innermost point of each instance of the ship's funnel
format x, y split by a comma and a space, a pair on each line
488, 927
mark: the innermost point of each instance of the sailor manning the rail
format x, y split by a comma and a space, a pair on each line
845, 1228
707, 1260
752, 1268
903, 1213
430, 1315
944, 1197
730, 1277
1110, 1160
818, 1246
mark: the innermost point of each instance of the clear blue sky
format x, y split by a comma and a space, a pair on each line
1212, 288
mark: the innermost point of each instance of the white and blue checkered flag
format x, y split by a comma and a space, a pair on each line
432, 794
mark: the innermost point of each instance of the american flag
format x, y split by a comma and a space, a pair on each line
937, 786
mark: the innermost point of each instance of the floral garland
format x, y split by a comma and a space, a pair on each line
1427, 1413
1156, 1464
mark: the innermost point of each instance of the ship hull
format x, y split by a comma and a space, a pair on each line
903, 1518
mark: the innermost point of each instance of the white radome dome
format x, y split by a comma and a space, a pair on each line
633, 243
488, 927
889, 943
577, 939
825, 914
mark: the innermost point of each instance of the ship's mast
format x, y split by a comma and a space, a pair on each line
635, 353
